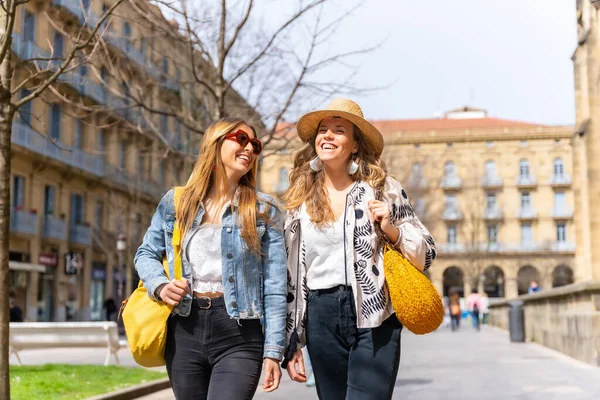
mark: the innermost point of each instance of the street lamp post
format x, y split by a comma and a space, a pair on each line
121, 247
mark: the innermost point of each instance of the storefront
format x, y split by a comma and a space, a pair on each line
97, 288
46, 286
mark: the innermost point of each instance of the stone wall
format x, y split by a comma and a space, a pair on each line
566, 319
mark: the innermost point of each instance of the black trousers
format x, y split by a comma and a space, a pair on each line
350, 363
211, 356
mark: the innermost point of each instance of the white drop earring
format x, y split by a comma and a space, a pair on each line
352, 167
316, 164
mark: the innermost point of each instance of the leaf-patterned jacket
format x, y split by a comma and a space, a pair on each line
371, 297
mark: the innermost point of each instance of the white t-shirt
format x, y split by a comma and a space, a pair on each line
324, 248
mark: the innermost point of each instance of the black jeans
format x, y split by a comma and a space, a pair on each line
350, 363
211, 356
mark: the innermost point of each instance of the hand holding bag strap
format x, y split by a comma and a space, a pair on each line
176, 242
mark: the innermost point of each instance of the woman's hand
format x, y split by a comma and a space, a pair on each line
272, 374
295, 367
380, 212
174, 291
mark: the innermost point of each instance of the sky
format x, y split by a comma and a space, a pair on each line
510, 57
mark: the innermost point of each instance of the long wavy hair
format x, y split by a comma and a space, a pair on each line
203, 178
308, 186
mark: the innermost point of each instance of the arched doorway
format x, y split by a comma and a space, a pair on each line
493, 281
454, 280
525, 276
562, 275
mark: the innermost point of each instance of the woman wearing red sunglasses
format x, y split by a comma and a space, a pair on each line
234, 272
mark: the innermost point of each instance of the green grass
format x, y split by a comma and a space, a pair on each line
59, 381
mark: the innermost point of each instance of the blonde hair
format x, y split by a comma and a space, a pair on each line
203, 178
308, 186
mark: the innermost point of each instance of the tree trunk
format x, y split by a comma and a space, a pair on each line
6, 116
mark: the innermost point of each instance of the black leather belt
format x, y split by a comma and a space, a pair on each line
338, 288
205, 303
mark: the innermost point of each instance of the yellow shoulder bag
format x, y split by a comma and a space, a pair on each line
417, 303
145, 320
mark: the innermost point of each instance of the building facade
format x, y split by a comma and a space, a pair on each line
89, 161
496, 194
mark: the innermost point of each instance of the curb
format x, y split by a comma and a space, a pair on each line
134, 392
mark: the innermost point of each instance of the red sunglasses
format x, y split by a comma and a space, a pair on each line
242, 139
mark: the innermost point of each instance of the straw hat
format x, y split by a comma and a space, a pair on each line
309, 123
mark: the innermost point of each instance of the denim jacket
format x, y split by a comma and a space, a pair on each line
254, 286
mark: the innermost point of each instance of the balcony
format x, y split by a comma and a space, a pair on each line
492, 182
562, 213
493, 214
81, 234
27, 49
54, 228
451, 182
74, 6
84, 86
26, 137
563, 247
451, 214
526, 181
22, 221
526, 213
560, 180
450, 248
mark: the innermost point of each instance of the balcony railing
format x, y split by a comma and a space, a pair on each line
560, 180
493, 213
26, 49
526, 181
524, 247
562, 213
451, 214
54, 228
22, 221
490, 182
527, 213
81, 234
451, 182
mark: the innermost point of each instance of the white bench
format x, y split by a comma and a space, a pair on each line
48, 335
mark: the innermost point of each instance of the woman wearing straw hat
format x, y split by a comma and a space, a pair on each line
338, 302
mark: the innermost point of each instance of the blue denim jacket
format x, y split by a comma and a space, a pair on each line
255, 286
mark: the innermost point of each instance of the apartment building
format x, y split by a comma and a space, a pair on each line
496, 194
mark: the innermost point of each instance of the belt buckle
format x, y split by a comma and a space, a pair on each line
209, 303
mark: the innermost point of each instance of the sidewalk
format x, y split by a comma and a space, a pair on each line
468, 365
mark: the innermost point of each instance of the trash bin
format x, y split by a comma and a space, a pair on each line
516, 321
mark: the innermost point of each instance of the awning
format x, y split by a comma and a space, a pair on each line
29, 267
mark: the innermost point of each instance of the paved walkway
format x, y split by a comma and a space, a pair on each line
468, 365
444, 365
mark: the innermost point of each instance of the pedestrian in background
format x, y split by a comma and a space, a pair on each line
339, 305
534, 287
485, 308
16, 314
234, 272
474, 307
455, 311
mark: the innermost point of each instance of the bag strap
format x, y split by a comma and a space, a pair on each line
178, 190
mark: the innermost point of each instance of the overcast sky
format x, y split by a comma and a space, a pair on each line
511, 57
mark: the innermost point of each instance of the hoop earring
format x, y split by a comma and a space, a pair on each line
352, 167
316, 164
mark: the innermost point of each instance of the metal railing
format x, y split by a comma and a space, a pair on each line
22, 221
560, 180
451, 214
493, 213
54, 228
451, 182
491, 181
526, 181
81, 234
527, 213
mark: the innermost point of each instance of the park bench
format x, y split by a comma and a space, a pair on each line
48, 335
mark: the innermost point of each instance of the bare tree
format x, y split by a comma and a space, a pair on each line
34, 70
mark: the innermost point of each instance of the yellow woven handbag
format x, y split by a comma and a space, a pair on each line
145, 320
417, 303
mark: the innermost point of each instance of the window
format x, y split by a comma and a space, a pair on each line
118, 221
143, 47
177, 74
526, 233
177, 134
18, 194
489, 145
104, 83
165, 68
140, 165
560, 201
59, 45
417, 171
122, 154
86, 5
28, 27
490, 168
164, 128
83, 72
49, 199
451, 203
127, 35
450, 168
451, 234
523, 143
78, 134
490, 201
77, 209
55, 122
492, 232
561, 232
525, 200
524, 168
559, 168
27, 108
99, 214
